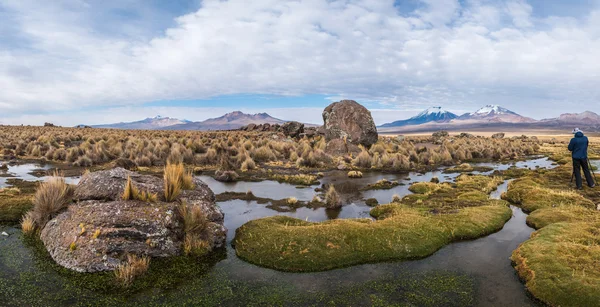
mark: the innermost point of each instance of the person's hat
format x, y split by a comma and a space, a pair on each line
576, 130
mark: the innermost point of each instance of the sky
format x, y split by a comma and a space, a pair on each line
91, 62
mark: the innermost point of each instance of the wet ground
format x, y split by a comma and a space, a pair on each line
30, 172
476, 273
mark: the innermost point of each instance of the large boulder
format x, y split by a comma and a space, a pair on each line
351, 121
100, 230
292, 129
338, 147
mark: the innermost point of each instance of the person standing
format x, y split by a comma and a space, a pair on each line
578, 147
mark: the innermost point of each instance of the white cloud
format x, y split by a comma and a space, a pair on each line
441, 54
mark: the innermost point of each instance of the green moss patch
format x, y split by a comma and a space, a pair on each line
382, 184
467, 168
15, 200
289, 244
560, 264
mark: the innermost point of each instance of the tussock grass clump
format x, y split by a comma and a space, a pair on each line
176, 179
424, 187
50, 198
355, 174
332, 198
195, 224
292, 201
382, 184
130, 192
28, 223
135, 267
299, 179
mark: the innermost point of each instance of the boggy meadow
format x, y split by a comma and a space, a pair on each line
436, 214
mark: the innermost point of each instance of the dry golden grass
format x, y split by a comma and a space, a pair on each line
355, 174
195, 223
50, 198
332, 198
134, 267
28, 223
173, 181
131, 192
243, 150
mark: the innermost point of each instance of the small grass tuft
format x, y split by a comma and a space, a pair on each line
195, 223
28, 223
355, 174
134, 267
332, 198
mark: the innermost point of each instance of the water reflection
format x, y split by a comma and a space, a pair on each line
30, 172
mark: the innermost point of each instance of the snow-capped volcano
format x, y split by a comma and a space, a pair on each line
433, 114
491, 109
495, 113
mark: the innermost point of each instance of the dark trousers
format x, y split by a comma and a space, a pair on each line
579, 164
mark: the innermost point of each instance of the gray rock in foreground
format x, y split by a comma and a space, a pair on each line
96, 233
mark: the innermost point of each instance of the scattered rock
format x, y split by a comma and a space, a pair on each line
226, 176
349, 120
466, 135
498, 135
440, 134
96, 233
292, 129
372, 202
400, 138
125, 163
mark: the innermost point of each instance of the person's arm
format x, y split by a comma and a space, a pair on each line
572, 145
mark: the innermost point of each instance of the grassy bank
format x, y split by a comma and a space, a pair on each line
401, 232
560, 262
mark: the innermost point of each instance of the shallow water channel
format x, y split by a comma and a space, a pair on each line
475, 273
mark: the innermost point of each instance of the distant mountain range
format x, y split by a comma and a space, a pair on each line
154, 123
229, 121
490, 117
433, 114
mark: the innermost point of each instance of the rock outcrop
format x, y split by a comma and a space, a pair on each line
98, 231
349, 120
292, 129
498, 136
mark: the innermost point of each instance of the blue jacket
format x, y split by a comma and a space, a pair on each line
579, 146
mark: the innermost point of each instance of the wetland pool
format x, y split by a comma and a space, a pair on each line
468, 273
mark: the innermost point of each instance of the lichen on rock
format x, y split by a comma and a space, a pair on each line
105, 229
